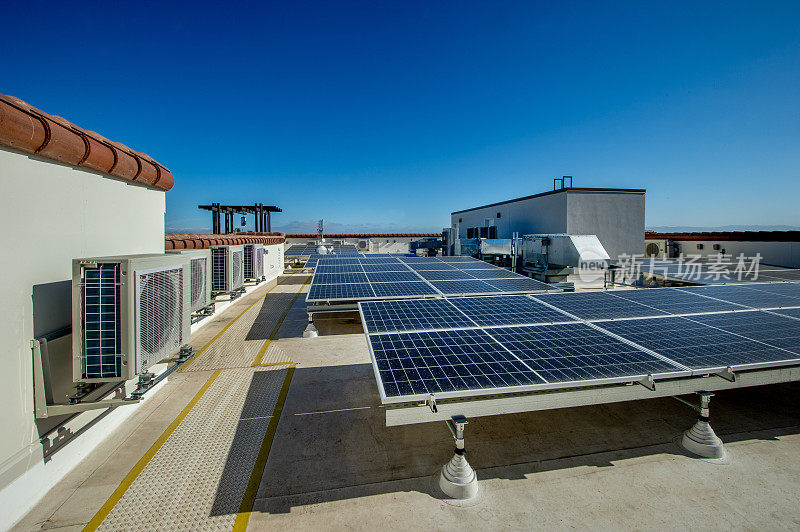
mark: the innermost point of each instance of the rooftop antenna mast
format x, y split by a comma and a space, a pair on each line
320, 236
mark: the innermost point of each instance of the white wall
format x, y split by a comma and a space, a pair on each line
273, 261
545, 214
616, 217
51, 214
785, 254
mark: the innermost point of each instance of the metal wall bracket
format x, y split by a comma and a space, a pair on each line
648, 383
44, 407
727, 374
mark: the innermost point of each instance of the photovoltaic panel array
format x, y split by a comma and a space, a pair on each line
441, 346
395, 277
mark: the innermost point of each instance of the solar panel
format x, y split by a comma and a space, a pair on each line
576, 352
338, 278
444, 275
417, 364
464, 287
787, 275
405, 289
392, 277
766, 327
339, 268
507, 310
474, 265
792, 313
420, 266
673, 301
323, 292
745, 295
494, 273
597, 306
457, 258
786, 289
328, 261
387, 267
694, 344
411, 315
517, 284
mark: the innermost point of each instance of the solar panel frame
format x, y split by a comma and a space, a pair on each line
444, 275
517, 284
572, 359
746, 295
346, 292
340, 278
507, 310
481, 370
674, 301
392, 277
408, 289
592, 306
468, 287
700, 347
411, 315
385, 267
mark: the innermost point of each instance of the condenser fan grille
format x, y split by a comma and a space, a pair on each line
219, 269
160, 305
652, 249
199, 269
248, 262
101, 323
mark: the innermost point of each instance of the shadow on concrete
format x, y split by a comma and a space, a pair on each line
253, 422
295, 279
332, 442
271, 309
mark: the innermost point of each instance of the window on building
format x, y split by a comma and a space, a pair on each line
498, 215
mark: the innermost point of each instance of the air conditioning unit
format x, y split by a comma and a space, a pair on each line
200, 274
253, 261
129, 312
227, 268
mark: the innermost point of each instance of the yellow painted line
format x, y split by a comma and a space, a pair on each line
216, 337
142, 463
263, 350
249, 499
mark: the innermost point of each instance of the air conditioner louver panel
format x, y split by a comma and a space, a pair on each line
159, 300
199, 267
101, 324
237, 270
259, 263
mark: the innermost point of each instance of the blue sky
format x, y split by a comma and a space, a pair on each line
382, 116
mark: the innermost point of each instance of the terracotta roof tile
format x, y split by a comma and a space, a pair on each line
31, 130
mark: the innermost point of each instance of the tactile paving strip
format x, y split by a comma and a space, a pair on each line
198, 477
241, 343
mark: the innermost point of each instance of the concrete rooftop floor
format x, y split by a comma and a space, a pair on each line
333, 464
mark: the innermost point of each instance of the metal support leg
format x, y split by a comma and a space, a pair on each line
311, 331
701, 439
457, 479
